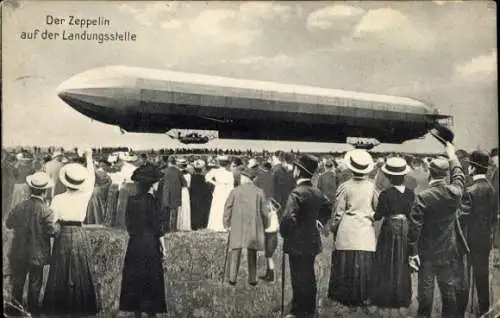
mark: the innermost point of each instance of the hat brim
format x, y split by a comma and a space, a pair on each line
298, 164
66, 183
49, 184
347, 161
393, 173
475, 163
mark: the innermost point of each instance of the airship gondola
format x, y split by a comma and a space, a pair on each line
156, 101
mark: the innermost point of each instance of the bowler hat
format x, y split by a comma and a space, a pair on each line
307, 163
442, 134
479, 158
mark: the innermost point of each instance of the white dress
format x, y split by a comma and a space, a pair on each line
184, 217
224, 183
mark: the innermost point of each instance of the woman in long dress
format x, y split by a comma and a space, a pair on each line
184, 217
391, 271
70, 286
201, 197
143, 286
223, 180
353, 226
96, 211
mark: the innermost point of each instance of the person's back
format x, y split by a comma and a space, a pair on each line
327, 184
32, 223
264, 181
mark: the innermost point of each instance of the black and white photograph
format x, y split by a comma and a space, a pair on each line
277, 159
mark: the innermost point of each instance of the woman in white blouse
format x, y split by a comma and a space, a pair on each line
70, 287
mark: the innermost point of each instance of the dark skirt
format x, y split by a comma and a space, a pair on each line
96, 210
70, 286
143, 286
391, 272
350, 277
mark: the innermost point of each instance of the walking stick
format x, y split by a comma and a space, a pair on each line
283, 276
225, 259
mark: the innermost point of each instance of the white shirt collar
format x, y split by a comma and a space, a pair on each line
38, 197
478, 177
302, 180
400, 188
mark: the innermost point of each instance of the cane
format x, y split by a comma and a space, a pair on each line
227, 254
283, 269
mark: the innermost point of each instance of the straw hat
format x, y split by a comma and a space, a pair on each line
252, 163
39, 180
73, 175
395, 167
359, 161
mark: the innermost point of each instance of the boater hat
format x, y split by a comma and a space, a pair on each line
39, 180
359, 161
73, 175
396, 167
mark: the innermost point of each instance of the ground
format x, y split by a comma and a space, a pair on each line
193, 274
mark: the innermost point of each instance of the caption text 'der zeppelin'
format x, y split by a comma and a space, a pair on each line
83, 26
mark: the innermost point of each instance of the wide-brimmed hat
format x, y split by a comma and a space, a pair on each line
395, 167
57, 154
128, 157
199, 164
479, 158
359, 161
73, 175
442, 134
247, 172
39, 180
307, 163
147, 174
181, 162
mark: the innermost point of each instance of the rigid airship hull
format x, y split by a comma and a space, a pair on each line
154, 101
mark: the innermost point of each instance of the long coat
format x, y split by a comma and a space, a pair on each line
435, 233
479, 204
33, 223
245, 212
282, 184
171, 187
305, 206
353, 218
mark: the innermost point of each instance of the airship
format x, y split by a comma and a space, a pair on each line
140, 100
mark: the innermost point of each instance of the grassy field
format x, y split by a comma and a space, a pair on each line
193, 273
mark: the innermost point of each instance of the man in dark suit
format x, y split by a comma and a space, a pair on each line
327, 181
282, 176
171, 187
33, 223
479, 204
305, 212
435, 238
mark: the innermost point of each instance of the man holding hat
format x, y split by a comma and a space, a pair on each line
33, 223
305, 209
435, 238
479, 204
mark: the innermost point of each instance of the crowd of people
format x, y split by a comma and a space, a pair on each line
437, 215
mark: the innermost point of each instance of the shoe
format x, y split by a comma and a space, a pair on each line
253, 283
269, 276
232, 283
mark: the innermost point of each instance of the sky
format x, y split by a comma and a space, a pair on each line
442, 52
